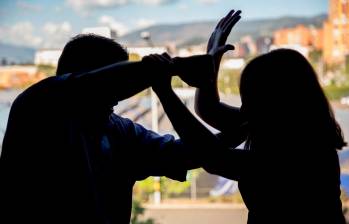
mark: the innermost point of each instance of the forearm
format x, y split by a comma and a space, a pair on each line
217, 114
206, 101
209, 151
190, 130
114, 82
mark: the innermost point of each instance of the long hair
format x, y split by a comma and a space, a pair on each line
283, 102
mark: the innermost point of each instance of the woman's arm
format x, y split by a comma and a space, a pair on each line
210, 150
207, 101
214, 112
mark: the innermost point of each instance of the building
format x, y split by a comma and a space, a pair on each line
300, 35
47, 57
19, 76
51, 56
143, 51
233, 63
247, 46
301, 49
336, 32
192, 50
263, 44
332, 39
102, 31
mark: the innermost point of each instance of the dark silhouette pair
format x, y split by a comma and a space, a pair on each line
68, 159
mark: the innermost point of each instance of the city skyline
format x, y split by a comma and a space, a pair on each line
43, 23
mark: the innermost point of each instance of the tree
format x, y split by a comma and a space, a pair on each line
138, 210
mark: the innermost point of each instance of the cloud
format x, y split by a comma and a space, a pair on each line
21, 34
52, 35
110, 22
28, 6
208, 2
58, 9
56, 35
183, 7
155, 2
144, 23
83, 6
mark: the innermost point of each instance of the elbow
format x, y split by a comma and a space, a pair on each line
210, 170
223, 172
206, 112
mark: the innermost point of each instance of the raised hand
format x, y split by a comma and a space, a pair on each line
217, 43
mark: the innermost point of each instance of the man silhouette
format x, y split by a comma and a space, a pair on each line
67, 158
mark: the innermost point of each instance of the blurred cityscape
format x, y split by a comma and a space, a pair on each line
323, 39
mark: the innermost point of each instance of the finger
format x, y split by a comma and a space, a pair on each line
168, 59
226, 48
160, 58
231, 24
232, 18
163, 61
151, 57
223, 20
167, 56
220, 23
154, 58
227, 18
147, 58
227, 29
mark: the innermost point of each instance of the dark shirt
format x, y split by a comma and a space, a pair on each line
62, 163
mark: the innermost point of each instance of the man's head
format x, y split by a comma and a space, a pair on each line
86, 52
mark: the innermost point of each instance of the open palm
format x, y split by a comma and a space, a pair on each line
217, 43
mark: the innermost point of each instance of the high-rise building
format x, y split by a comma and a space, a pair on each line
336, 32
300, 35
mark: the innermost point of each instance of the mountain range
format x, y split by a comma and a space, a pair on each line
184, 34
198, 32
16, 54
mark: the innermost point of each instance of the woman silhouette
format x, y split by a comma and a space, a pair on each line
288, 171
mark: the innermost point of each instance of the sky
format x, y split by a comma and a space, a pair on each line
50, 23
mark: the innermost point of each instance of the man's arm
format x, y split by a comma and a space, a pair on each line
114, 82
160, 155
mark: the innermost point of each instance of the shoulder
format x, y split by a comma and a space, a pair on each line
121, 125
39, 90
39, 98
117, 121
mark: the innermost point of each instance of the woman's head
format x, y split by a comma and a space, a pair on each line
282, 98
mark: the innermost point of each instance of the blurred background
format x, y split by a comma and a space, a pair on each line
33, 33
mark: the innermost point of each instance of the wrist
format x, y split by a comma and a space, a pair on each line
209, 86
